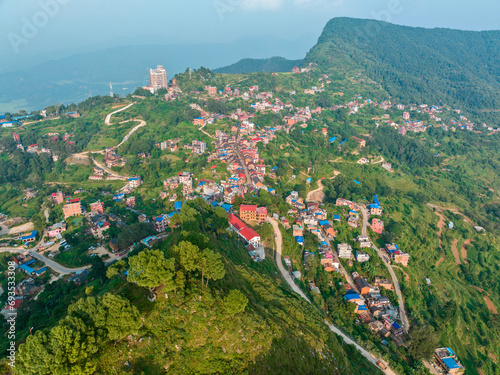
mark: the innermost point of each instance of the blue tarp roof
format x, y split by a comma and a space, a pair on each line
396, 325
362, 308
374, 205
376, 200
336, 217
202, 183
450, 362
309, 180
159, 218
323, 222
333, 139
356, 182
274, 168
323, 243
171, 214
450, 351
227, 207
178, 206
299, 239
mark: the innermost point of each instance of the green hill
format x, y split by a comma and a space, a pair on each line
435, 66
272, 64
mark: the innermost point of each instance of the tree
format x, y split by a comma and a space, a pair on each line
422, 341
111, 314
68, 348
179, 282
98, 270
211, 266
189, 255
221, 220
115, 269
234, 303
151, 269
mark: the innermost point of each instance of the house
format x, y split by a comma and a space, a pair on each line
73, 207
297, 230
160, 223
364, 242
353, 297
397, 255
130, 202
362, 142
199, 121
375, 209
353, 221
261, 214
99, 229
377, 226
362, 257
134, 181
448, 361
58, 197
97, 207
56, 229
344, 251
330, 232
383, 283
363, 286
149, 241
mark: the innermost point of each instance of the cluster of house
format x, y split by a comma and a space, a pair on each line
170, 145
113, 159
375, 309
183, 178
353, 219
101, 174
396, 255
197, 147
26, 264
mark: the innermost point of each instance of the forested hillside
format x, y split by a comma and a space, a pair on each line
273, 64
416, 65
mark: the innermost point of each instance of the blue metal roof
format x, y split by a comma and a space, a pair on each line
41, 270
396, 325
450, 362
30, 262
352, 296
26, 268
178, 206
450, 351
362, 308
227, 207
323, 222
336, 217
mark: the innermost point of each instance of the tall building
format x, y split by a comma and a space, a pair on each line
158, 78
72, 208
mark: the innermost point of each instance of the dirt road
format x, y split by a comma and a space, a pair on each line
316, 195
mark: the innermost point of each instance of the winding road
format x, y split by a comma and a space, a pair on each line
286, 275
397, 288
107, 120
316, 195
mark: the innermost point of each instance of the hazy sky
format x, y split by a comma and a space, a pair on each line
31, 27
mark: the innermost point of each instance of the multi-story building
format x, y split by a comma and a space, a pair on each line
56, 229
199, 147
73, 207
377, 225
261, 214
448, 361
248, 212
58, 197
344, 251
130, 202
362, 257
97, 207
158, 78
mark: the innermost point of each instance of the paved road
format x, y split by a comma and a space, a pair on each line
296, 289
48, 262
397, 288
279, 260
107, 121
125, 139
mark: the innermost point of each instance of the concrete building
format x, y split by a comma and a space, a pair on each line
158, 78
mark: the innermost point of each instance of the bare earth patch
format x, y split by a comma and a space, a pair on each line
440, 260
464, 250
487, 299
455, 252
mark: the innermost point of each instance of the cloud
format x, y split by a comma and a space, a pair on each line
262, 5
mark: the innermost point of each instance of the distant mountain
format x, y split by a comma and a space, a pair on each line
273, 64
416, 64
72, 78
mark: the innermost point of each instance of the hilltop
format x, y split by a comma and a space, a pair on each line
415, 64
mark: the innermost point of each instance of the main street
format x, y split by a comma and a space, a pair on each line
397, 288
286, 275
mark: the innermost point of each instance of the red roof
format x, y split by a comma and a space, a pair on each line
248, 207
16, 304
249, 234
74, 200
235, 222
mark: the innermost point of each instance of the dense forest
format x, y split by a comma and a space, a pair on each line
438, 66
